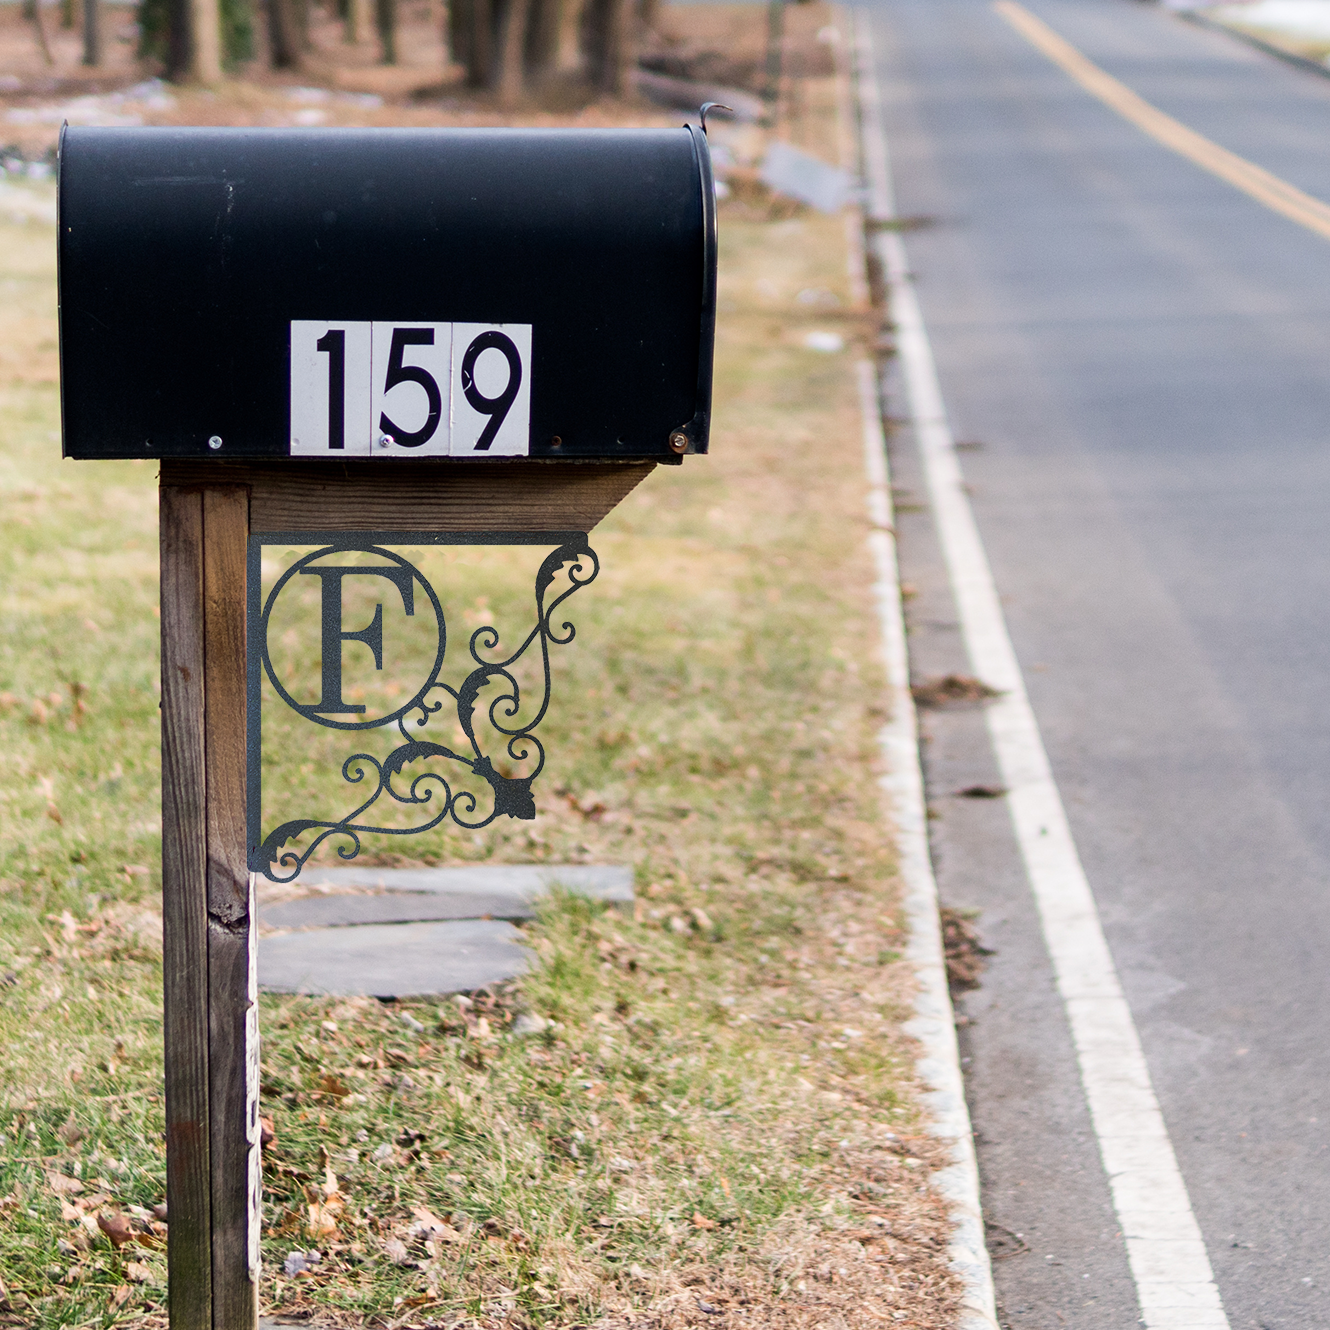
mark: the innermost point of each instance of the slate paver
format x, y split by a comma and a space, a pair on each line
390, 907
413, 932
502, 891
393, 960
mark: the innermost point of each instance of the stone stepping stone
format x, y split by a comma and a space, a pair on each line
393, 960
408, 895
414, 932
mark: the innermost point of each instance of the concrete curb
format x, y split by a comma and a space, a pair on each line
1251, 39
934, 1023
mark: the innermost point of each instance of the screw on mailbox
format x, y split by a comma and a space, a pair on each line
679, 441
386, 441
215, 442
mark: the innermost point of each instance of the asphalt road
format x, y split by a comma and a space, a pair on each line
1137, 357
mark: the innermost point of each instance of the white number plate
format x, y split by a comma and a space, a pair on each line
410, 389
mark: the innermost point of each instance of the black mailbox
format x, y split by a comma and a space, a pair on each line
460, 294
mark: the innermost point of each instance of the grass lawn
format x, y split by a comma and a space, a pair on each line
705, 1115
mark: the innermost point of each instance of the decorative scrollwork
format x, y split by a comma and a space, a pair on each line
278, 857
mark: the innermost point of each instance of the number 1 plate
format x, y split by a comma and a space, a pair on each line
399, 389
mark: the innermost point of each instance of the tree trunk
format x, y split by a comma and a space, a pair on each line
459, 35
544, 21
610, 37
471, 24
92, 36
510, 71
775, 53
385, 13
353, 31
40, 24
570, 57
176, 36
284, 34
205, 65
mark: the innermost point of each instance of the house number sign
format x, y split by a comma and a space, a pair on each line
396, 389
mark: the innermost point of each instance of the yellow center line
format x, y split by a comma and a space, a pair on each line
1277, 195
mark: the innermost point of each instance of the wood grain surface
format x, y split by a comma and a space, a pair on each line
184, 912
392, 495
225, 535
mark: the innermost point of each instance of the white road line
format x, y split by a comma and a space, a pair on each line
934, 1023
1175, 1285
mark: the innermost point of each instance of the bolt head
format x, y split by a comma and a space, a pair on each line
386, 440
215, 442
679, 441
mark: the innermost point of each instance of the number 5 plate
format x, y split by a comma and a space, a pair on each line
402, 389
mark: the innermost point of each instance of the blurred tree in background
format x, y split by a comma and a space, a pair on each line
168, 32
506, 47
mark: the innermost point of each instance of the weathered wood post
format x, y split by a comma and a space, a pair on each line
211, 1022
346, 340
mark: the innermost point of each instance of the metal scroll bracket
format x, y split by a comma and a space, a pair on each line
464, 752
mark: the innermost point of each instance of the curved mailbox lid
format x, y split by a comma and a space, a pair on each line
201, 271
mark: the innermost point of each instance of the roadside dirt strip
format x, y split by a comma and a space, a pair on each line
1175, 1286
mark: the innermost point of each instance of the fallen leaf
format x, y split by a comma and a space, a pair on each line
952, 690
117, 1228
62, 1185
982, 792
701, 1221
71, 1214
120, 1296
395, 1250
430, 1228
267, 1133
701, 917
137, 1273
71, 1133
323, 1220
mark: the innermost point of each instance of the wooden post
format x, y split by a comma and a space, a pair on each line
184, 912
208, 509
208, 942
